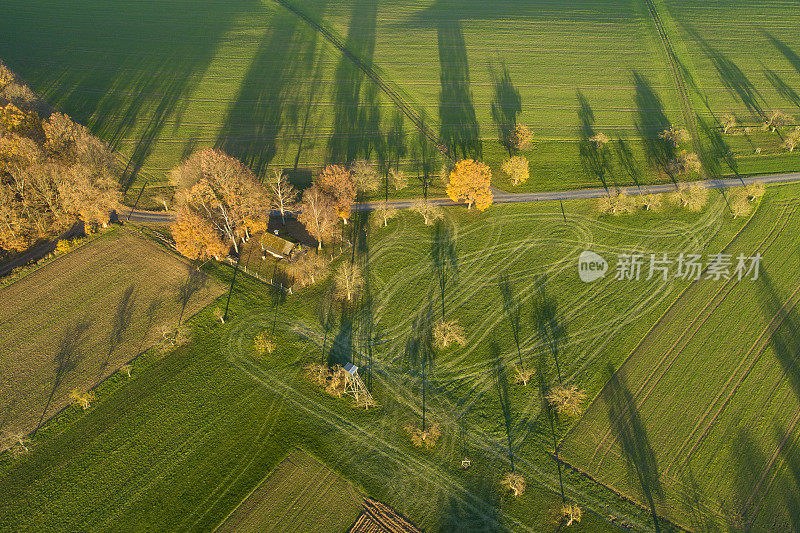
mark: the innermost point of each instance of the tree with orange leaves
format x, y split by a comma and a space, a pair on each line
196, 238
318, 213
470, 181
339, 183
224, 192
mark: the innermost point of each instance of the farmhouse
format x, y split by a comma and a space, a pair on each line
277, 246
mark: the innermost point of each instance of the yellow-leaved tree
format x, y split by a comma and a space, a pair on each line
470, 181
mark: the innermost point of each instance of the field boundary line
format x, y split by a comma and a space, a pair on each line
730, 284
269, 421
257, 486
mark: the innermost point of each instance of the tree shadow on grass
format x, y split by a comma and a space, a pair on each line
444, 258
195, 281
355, 97
459, 126
627, 162
512, 307
715, 150
651, 120
498, 367
790, 55
254, 122
733, 78
66, 359
506, 107
595, 156
629, 429
785, 340
782, 88
480, 512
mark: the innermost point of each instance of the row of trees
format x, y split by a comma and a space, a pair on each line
53, 172
220, 202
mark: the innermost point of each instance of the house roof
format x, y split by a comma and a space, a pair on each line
351, 368
276, 244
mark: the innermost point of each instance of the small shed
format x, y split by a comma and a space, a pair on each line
351, 369
278, 246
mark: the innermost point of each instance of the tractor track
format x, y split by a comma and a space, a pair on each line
677, 74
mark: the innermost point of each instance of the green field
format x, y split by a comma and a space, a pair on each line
161, 79
300, 494
75, 321
193, 433
713, 394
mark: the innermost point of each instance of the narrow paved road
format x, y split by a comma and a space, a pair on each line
165, 217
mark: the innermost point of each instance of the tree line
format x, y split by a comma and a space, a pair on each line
53, 172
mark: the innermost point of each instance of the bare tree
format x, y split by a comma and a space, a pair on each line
349, 281
777, 119
448, 332
792, 140
515, 483
384, 213
284, 195
398, 179
430, 212
728, 122
318, 214
366, 176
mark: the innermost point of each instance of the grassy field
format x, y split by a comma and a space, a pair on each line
75, 321
269, 88
300, 494
711, 395
181, 444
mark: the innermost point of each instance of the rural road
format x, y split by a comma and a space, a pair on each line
500, 197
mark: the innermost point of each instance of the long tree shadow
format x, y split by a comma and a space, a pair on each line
785, 340
425, 156
651, 121
782, 88
195, 281
630, 431
733, 78
627, 162
126, 96
790, 55
480, 513
355, 97
715, 150
66, 359
459, 126
444, 258
120, 322
791, 496
594, 154
512, 307
506, 107
749, 461
419, 353
498, 368
254, 121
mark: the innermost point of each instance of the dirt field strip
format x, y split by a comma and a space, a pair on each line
75, 321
